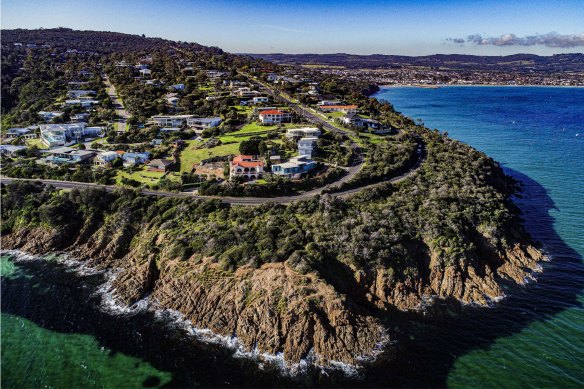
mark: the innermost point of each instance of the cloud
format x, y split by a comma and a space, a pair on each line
551, 39
284, 29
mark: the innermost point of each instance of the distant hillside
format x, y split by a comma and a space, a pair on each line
517, 62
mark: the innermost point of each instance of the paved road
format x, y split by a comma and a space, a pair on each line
228, 200
120, 123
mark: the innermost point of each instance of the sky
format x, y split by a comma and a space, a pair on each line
400, 27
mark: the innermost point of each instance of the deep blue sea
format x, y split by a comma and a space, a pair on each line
537, 134
55, 334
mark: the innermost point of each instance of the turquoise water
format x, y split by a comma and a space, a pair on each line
537, 134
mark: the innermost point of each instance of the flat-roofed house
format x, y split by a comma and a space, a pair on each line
306, 146
295, 167
303, 132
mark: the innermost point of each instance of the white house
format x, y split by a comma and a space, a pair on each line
77, 93
272, 77
246, 166
49, 115
329, 102
306, 146
145, 72
53, 135
204, 123
171, 120
82, 102
274, 116
260, 99
106, 158
303, 132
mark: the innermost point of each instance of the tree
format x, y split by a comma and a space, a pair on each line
251, 146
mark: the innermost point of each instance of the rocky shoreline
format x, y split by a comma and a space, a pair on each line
273, 308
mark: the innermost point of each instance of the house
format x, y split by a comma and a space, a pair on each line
246, 92
328, 102
272, 77
338, 108
160, 165
210, 169
82, 102
171, 121
145, 72
295, 167
156, 142
275, 159
260, 99
49, 115
66, 155
173, 101
274, 116
133, 159
77, 93
16, 132
178, 86
204, 123
358, 121
106, 158
53, 135
306, 146
246, 166
80, 117
11, 150
302, 132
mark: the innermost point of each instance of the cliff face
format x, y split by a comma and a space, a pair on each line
274, 308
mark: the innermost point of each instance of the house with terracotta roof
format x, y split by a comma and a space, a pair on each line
339, 108
274, 116
246, 166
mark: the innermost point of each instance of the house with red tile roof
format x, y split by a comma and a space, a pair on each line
274, 116
246, 166
339, 108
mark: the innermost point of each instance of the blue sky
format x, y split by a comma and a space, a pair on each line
359, 27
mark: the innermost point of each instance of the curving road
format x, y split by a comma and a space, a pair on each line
234, 200
120, 123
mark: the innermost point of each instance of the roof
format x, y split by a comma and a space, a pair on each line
241, 158
272, 112
340, 106
164, 162
12, 148
247, 163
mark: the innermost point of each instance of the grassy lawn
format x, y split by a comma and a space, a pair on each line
145, 177
36, 142
190, 156
373, 138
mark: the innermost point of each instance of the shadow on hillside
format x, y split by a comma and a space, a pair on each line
427, 360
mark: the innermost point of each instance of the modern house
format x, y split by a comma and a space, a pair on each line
160, 165
328, 103
339, 108
295, 167
66, 155
306, 146
260, 99
274, 116
203, 123
246, 92
171, 121
145, 72
358, 121
106, 158
85, 103
26, 133
133, 159
53, 135
246, 166
77, 93
80, 117
10, 149
49, 115
303, 132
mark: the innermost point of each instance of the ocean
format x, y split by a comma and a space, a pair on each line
55, 332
